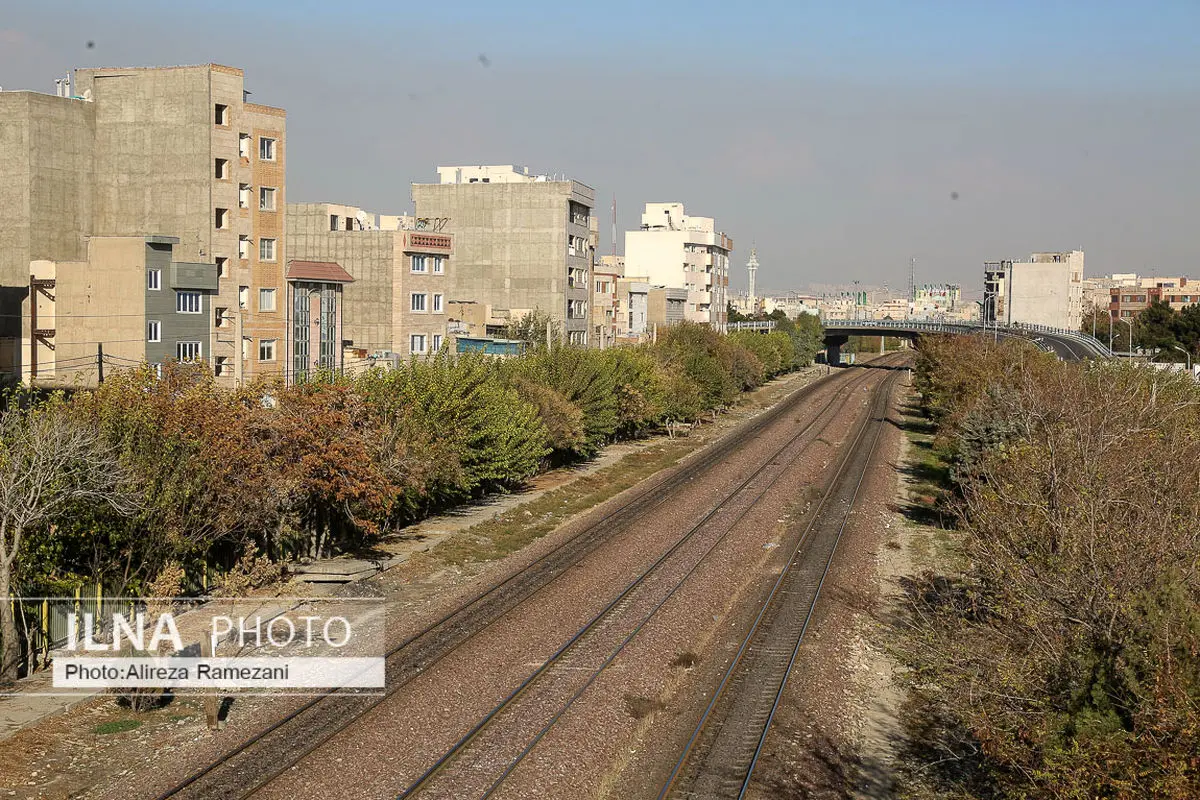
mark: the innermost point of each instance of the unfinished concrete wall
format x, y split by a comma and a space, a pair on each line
511, 244
45, 201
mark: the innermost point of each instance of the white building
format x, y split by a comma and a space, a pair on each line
1045, 290
674, 250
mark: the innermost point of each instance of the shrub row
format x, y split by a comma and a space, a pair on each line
204, 474
1068, 654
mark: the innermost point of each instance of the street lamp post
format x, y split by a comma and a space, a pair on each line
1128, 322
1187, 354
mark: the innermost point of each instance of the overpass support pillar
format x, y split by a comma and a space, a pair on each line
833, 349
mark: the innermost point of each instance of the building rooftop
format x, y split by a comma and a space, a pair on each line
498, 173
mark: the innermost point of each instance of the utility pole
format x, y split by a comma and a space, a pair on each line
613, 244
100, 362
912, 279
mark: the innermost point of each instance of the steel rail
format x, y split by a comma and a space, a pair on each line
545, 569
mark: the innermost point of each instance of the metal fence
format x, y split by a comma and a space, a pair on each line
44, 623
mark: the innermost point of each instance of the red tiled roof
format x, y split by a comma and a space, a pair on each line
319, 271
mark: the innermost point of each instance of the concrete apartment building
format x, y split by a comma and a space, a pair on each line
674, 250
522, 241
1045, 290
129, 301
665, 306
1134, 297
398, 301
138, 152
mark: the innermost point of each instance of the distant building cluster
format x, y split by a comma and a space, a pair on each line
147, 219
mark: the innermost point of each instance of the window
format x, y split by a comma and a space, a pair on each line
221, 169
419, 264
417, 301
437, 304
437, 342
221, 317
222, 218
243, 296
222, 266
153, 330
243, 195
333, 218
266, 299
416, 343
154, 279
187, 351
243, 246
222, 366
266, 198
221, 114
187, 302
439, 265
244, 145
266, 249
266, 149
266, 350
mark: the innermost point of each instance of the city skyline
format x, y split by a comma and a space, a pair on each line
838, 142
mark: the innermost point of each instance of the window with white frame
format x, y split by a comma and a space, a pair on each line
266, 350
266, 299
266, 149
187, 351
266, 249
187, 302
266, 198
416, 343
437, 342
439, 264
437, 304
154, 279
420, 264
153, 330
417, 301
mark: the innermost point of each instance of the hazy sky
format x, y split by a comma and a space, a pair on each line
831, 135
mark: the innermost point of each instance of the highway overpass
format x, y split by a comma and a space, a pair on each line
1066, 344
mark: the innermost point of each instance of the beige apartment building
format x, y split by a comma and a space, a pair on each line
136, 152
676, 250
1045, 290
128, 302
399, 299
522, 241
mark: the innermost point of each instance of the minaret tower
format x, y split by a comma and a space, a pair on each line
752, 268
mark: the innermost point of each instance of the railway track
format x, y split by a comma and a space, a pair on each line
480, 762
719, 758
264, 756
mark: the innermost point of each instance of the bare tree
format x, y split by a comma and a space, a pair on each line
49, 463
